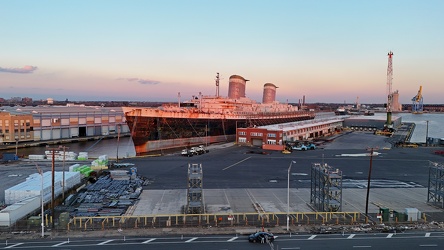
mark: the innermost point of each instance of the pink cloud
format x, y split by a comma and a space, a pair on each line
26, 69
141, 81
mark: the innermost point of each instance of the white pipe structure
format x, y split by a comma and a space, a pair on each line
288, 196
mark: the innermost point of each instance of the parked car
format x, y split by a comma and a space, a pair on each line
257, 237
187, 152
311, 146
200, 150
300, 147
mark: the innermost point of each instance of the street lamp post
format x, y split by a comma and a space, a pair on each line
427, 133
42, 196
288, 195
16, 147
118, 140
63, 182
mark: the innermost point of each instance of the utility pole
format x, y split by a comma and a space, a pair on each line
368, 182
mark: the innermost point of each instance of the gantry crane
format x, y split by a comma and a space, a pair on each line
417, 106
388, 126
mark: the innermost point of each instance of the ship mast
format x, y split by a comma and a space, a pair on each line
217, 84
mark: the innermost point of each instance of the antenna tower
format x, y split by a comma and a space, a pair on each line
388, 124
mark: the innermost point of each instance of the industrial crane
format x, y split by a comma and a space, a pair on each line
417, 106
388, 126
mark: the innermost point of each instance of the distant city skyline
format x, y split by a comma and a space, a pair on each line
327, 51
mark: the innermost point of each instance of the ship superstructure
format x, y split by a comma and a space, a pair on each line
207, 119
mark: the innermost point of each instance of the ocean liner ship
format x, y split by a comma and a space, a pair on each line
207, 119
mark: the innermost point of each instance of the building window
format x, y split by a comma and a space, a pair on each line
242, 133
242, 139
271, 135
271, 142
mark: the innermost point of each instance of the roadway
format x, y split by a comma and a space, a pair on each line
392, 241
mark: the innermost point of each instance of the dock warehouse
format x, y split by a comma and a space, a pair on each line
272, 137
43, 123
369, 122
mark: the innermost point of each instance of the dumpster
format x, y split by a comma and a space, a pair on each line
385, 213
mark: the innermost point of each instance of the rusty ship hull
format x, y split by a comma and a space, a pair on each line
154, 134
207, 119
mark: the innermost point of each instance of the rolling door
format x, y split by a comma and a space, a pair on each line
257, 142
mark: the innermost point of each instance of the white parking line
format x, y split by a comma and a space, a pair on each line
232, 165
11, 246
361, 246
312, 237
148, 241
351, 236
234, 238
61, 243
427, 235
389, 236
103, 243
284, 248
431, 245
191, 239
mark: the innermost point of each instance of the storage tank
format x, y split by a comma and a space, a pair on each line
236, 87
269, 93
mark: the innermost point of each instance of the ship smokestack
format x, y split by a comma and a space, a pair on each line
269, 93
236, 87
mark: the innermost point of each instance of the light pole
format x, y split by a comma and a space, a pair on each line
41, 191
288, 195
427, 133
63, 183
16, 146
118, 140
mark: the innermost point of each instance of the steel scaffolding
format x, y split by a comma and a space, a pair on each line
435, 193
326, 188
194, 192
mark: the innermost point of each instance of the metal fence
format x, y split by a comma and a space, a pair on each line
214, 220
268, 220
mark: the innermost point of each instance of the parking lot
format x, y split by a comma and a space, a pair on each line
235, 177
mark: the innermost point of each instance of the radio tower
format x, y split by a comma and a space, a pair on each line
389, 124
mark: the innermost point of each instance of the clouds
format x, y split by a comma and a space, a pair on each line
141, 81
25, 70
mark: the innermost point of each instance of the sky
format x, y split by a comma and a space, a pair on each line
332, 51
